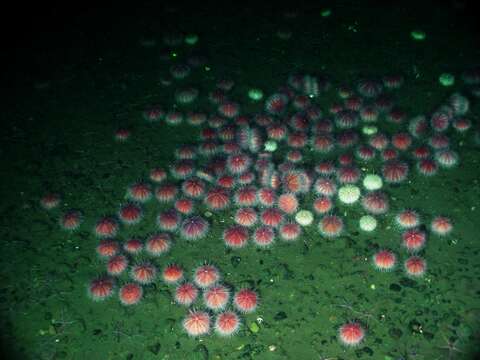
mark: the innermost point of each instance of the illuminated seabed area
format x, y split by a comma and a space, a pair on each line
241, 181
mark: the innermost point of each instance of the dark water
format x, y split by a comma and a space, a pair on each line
76, 78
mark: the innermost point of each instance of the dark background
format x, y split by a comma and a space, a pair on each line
31, 30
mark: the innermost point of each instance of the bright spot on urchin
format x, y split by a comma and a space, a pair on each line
372, 182
304, 217
255, 94
349, 194
270, 146
369, 130
446, 79
368, 223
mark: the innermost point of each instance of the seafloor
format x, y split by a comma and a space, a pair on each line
74, 83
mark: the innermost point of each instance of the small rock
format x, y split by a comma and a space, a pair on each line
280, 316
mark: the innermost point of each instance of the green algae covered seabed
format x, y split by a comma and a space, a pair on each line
74, 90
